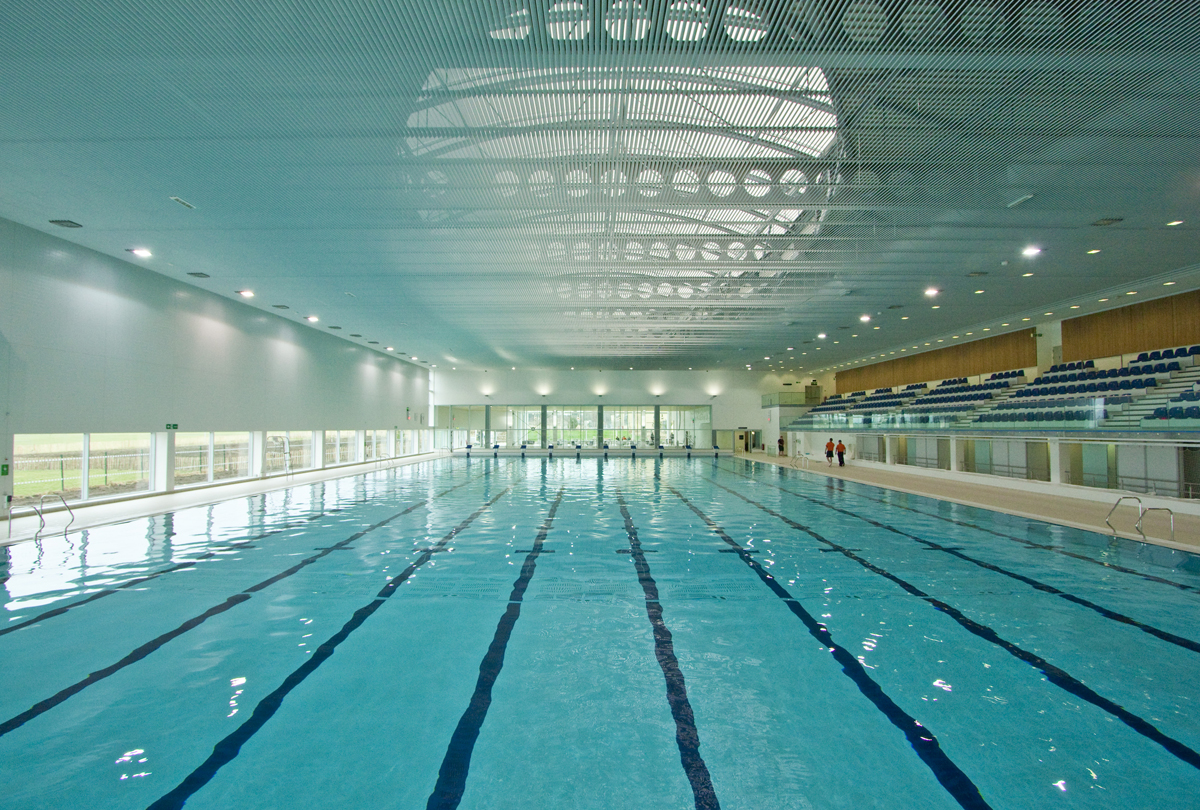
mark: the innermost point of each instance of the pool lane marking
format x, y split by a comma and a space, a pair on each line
922, 740
452, 775
686, 735
150, 646
1057, 676
954, 551
1023, 541
230, 746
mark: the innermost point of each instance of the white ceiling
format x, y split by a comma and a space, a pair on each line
620, 184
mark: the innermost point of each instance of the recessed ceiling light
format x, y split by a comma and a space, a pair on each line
864, 318
412, 358
312, 319
987, 328
766, 358
1097, 250
1102, 300
245, 293
936, 306
141, 253
390, 349
1031, 251
1074, 306
956, 337
932, 291
876, 327
1049, 313
199, 275
940, 340
1004, 324
65, 223
790, 349
1132, 292
1026, 275
821, 335
979, 292
1175, 222
854, 336
904, 317
1024, 319
1168, 283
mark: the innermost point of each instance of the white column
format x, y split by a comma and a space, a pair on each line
258, 453
84, 464
954, 447
7, 471
212, 457
888, 452
318, 449
1056, 465
391, 442
359, 438
162, 457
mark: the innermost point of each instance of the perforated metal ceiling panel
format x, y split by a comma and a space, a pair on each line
616, 183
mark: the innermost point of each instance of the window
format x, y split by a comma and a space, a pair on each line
46, 464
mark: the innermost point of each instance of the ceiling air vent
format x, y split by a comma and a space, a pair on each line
199, 275
65, 223
977, 274
1108, 221
184, 203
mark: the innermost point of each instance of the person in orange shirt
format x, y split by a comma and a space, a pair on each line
829, 451
841, 451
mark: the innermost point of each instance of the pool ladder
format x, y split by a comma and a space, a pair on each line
39, 511
1142, 512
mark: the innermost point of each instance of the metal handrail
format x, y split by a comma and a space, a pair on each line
1141, 510
42, 503
11, 507
1150, 509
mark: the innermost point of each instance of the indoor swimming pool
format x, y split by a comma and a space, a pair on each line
597, 633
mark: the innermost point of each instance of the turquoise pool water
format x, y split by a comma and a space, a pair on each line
511, 633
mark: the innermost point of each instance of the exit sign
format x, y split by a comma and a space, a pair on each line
173, 427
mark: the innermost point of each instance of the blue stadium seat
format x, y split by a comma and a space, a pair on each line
1151, 382
1173, 366
1176, 413
1161, 368
1193, 412
1139, 383
1155, 357
1194, 350
1142, 358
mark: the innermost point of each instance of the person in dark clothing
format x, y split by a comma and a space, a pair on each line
841, 453
782, 445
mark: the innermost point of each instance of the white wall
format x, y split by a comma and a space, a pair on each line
735, 396
89, 343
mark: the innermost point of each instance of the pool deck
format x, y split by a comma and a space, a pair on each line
1079, 513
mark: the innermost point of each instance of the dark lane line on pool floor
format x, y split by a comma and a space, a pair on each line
1023, 541
456, 764
922, 740
687, 737
227, 749
954, 551
150, 646
1057, 676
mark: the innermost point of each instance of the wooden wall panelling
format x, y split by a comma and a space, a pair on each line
1000, 353
1145, 326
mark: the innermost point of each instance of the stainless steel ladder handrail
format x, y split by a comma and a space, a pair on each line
1150, 509
1141, 510
41, 505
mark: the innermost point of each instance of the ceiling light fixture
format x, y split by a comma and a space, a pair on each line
1174, 223
932, 291
864, 318
312, 319
979, 292
1031, 251
1026, 275
1074, 306
1168, 283
245, 293
1092, 252
1132, 292
390, 349
821, 335
141, 253
904, 317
